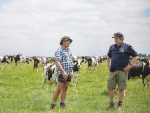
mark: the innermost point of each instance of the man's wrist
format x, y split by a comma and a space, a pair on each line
130, 64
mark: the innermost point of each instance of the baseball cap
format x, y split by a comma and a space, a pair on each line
117, 35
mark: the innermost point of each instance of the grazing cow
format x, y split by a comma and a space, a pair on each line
138, 70
40, 62
24, 60
14, 58
76, 70
49, 75
3, 60
94, 63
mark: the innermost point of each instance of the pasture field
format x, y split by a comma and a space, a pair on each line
20, 92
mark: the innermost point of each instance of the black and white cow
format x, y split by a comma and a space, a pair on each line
138, 70
94, 63
24, 60
3, 60
76, 70
14, 58
40, 62
49, 75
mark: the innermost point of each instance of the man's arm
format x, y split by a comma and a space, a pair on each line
134, 59
61, 69
71, 74
108, 62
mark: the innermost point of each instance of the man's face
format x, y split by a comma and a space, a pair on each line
66, 43
118, 41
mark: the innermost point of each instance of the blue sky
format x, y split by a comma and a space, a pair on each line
35, 27
145, 13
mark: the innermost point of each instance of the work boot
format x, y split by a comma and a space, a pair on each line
119, 107
110, 106
62, 105
52, 106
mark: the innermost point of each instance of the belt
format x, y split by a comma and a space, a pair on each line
115, 70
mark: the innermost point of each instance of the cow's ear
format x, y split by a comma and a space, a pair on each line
82, 61
53, 70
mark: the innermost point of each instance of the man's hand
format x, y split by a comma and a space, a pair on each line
126, 69
65, 75
71, 75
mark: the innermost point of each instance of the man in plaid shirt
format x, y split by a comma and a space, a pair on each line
64, 70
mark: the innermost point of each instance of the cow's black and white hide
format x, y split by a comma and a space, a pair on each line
49, 75
139, 70
39, 62
3, 60
88, 59
94, 63
24, 60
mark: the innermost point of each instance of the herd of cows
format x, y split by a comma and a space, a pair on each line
140, 69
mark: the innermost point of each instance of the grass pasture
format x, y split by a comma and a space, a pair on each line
20, 92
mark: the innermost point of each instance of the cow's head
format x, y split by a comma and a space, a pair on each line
50, 71
79, 63
100, 60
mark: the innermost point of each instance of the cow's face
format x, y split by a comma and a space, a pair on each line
50, 72
100, 60
79, 63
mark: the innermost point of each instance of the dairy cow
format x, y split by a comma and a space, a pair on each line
138, 70
3, 60
76, 70
14, 58
94, 63
40, 62
49, 75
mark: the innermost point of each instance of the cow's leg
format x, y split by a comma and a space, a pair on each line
96, 67
75, 81
2, 65
36, 69
50, 88
147, 85
144, 82
42, 83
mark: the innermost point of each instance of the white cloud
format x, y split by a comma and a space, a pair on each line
35, 27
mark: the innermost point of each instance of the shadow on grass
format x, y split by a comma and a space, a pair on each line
105, 92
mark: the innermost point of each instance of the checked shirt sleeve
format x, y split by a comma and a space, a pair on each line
58, 55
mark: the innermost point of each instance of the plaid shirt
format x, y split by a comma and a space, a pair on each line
65, 57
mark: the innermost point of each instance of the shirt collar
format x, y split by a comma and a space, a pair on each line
63, 48
119, 45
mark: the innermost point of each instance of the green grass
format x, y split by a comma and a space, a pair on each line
20, 92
